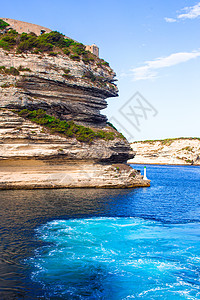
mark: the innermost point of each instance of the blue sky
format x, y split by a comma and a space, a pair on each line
153, 46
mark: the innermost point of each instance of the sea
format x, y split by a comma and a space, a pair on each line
111, 244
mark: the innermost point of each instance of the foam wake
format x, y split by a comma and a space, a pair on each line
118, 258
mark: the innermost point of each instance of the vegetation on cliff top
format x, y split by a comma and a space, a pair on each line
46, 42
167, 142
3, 24
54, 44
68, 129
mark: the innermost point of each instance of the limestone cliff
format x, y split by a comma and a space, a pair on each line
180, 151
33, 155
46, 85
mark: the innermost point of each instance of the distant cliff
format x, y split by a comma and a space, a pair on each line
52, 133
180, 151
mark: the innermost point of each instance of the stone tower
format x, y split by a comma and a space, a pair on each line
94, 49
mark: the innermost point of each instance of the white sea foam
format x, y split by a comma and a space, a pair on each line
126, 253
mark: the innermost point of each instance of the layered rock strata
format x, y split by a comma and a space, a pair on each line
31, 156
43, 83
183, 151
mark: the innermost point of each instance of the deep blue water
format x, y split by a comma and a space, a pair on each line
104, 244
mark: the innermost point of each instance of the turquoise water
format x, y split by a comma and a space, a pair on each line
118, 258
104, 244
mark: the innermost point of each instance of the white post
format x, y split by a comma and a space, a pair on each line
145, 174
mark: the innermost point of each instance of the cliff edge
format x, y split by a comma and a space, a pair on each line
52, 134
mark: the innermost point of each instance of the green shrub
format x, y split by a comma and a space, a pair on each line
27, 42
78, 48
12, 32
67, 76
54, 37
30, 41
189, 161
67, 71
2, 69
36, 51
66, 51
53, 53
3, 24
43, 46
68, 42
105, 135
87, 57
75, 57
85, 60
85, 134
4, 45
10, 39
90, 75
6, 85
105, 63
121, 136
111, 125
21, 68
24, 37
11, 71
69, 129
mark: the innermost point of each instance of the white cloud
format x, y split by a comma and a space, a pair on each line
150, 69
191, 12
170, 20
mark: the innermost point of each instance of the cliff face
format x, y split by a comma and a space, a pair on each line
46, 85
183, 151
31, 155
22, 139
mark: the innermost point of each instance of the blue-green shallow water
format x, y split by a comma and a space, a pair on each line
118, 258
104, 244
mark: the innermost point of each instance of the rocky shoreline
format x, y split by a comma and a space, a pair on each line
64, 174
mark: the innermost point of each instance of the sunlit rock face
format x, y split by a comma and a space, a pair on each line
180, 151
31, 156
46, 85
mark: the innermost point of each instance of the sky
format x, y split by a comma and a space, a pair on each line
152, 45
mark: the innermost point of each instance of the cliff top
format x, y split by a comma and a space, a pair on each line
23, 36
56, 45
21, 26
167, 141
